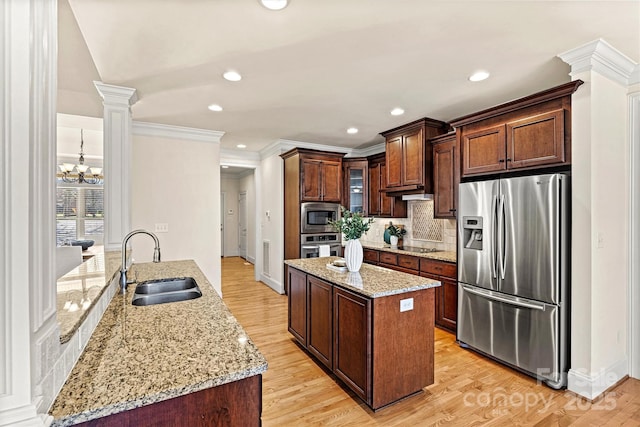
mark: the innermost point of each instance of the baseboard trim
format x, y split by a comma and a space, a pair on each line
592, 386
251, 259
276, 286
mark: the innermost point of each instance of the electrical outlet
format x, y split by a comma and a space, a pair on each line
406, 304
162, 228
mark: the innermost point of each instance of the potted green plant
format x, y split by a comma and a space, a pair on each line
352, 225
395, 234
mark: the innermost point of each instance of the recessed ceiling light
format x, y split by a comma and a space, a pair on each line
479, 76
241, 146
352, 130
274, 4
397, 111
224, 167
232, 76
214, 107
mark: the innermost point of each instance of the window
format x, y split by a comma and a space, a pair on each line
79, 213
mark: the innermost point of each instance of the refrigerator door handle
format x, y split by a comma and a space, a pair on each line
492, 296
502, 237
494, 237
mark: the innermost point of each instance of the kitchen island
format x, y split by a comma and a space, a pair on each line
373, 329
189, 361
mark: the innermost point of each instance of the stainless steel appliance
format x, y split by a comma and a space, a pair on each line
310, 244
513, 272
315, 217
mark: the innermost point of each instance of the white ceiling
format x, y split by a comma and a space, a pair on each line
318, 67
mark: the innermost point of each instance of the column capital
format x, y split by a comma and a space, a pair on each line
603, 58
116, 95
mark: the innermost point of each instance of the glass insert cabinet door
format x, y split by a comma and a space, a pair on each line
356, 173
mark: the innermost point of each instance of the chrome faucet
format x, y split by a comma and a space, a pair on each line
123, 269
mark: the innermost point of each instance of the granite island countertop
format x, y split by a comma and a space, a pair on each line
371, 281
447, 256
142, 355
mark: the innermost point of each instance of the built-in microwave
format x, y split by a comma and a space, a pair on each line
315, 217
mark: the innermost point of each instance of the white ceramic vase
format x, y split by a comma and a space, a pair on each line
393, 240
353, 255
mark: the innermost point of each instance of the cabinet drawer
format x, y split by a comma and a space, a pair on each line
410, 262
388, 258
440, 268
371, 256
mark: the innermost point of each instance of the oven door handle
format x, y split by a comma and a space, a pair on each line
311, 247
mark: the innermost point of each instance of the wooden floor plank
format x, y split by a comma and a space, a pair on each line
469, 389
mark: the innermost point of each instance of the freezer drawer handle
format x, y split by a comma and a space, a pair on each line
503, 299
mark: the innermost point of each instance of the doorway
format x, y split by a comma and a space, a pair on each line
243, 222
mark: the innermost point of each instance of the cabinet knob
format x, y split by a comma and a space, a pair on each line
508, 159
501, 161
452, 210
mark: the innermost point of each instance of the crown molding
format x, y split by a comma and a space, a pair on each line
176, 132
282, 145
116, 95
603, 58
635, 76
239, 157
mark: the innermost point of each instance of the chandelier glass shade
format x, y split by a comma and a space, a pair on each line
80, 173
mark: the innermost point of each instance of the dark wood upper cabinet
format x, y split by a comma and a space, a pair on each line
380, 204
446, 175
321, 180
408, 157
531, 132
355, 191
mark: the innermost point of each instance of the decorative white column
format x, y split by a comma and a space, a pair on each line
29, 335
117, 103
601, 182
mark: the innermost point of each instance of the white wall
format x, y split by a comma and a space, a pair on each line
177, 181
271, 189
230, 186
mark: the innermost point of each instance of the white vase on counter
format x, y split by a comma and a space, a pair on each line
393, 240
353, 255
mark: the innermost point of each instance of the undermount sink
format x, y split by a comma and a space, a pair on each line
162, 291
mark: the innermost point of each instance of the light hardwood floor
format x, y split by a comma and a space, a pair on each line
469, 390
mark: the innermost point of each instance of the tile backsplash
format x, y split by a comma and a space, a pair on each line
422, 229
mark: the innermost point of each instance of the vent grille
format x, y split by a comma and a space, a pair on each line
266, 258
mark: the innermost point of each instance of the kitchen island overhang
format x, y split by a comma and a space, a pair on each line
373, 329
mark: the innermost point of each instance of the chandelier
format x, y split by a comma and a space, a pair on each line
80, 173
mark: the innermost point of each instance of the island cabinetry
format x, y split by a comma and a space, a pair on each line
446, 175
352, 341
319, 339
446, 294
408, 158
297, 291
531, 132
382, 347
380, 204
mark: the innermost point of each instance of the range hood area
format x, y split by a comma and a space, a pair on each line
424, 196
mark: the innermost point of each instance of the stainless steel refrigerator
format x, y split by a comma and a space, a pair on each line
513, 272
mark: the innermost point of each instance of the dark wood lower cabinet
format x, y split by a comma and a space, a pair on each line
352, 341
446, 296
320, 316
297, 288
381, 353
233, 404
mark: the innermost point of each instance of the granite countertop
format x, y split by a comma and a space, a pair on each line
371, 281
79, 289
448, 256
142, 355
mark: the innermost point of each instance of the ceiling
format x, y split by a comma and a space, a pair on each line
317, 68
